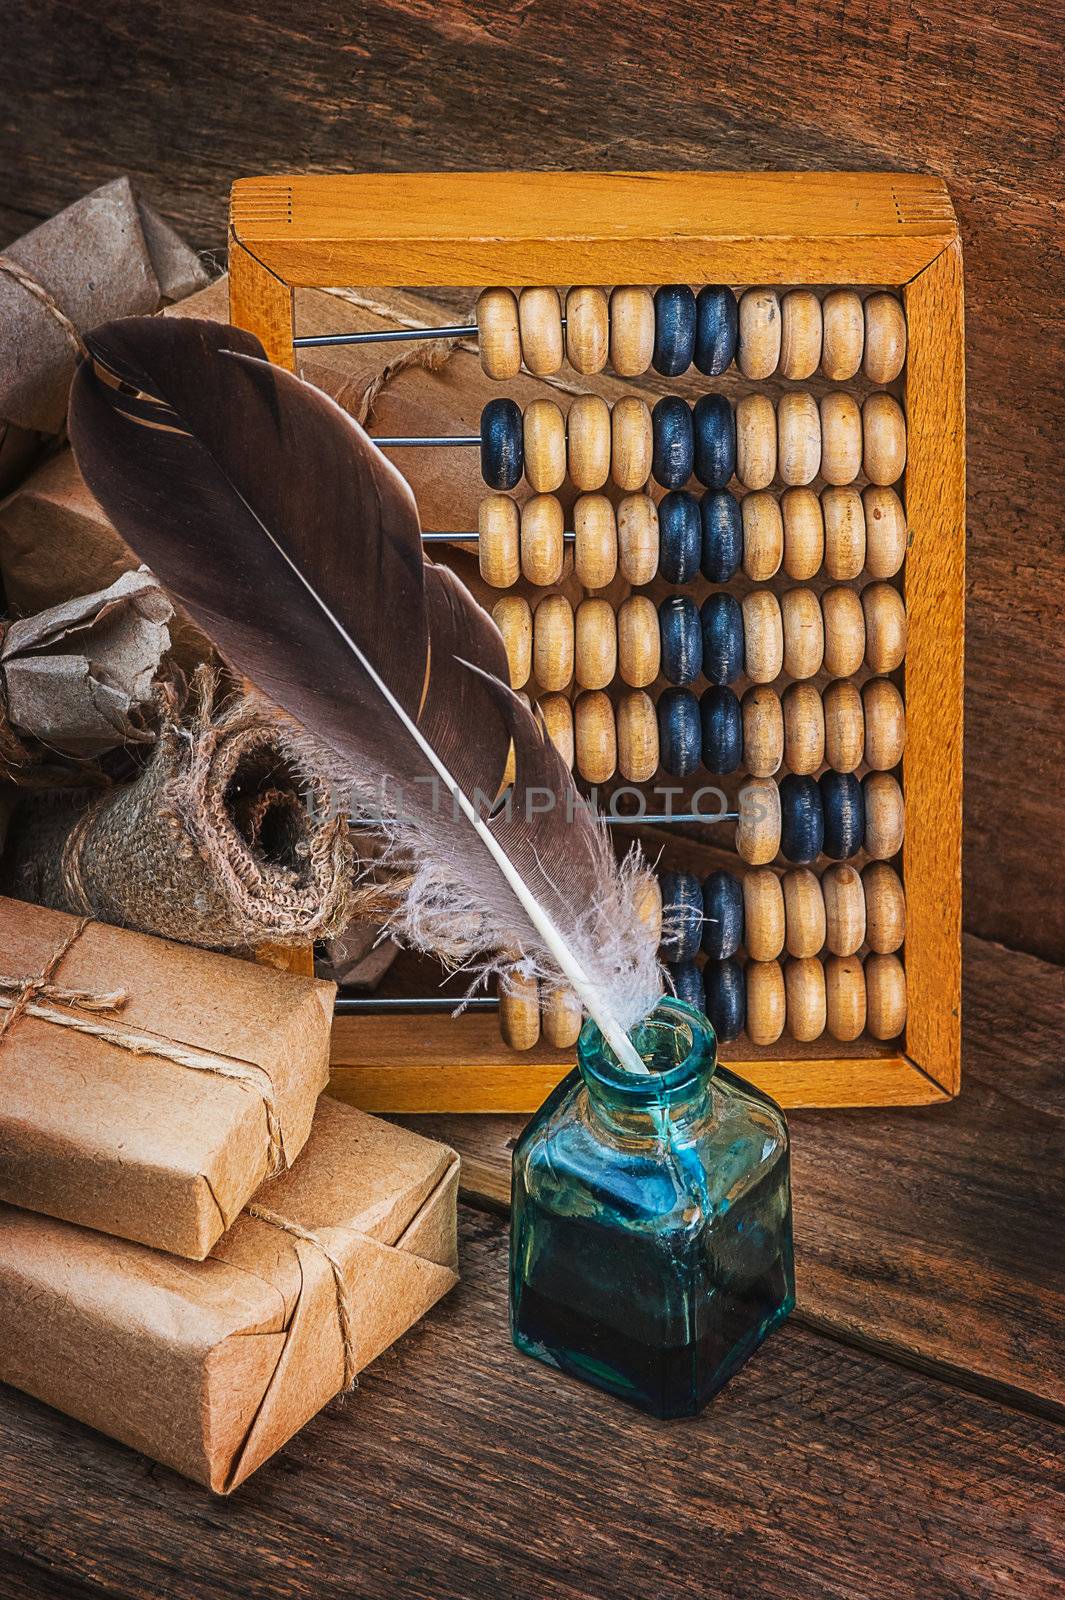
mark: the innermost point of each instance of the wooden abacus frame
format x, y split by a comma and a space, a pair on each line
528, 229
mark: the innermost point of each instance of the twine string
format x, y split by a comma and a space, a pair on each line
345, 1312
37, 289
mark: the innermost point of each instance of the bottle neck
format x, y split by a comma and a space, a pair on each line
679, 1048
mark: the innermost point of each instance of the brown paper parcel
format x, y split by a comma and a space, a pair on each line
147, 1088
211, 1366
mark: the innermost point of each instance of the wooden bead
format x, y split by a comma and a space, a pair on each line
845, 997
561, 1016
885, 531
587, 329
680, 732
843, 335
763, 731
844, 897
682, 915
804, 533
674, 347
502, 453
681, 639
714, 440
759, 333
804, 633
632, 331
764, 920
632, 442
722, 730
686, 978
722, 623
885, 338
595, 736
844, 725
637, 734
885, 627
763, 636
648, 902
638, 539
804, 984
513, 618
722, 932
844, 632
885, 996
844, 533
588, 441
884, 439
885, 907
756, 441
542, 540
553, 649
722, 535
804, 912
763, 535
519, 1011
798, 437
804, 729
758, 827
680, 537
766, 1001
639, 641
557, 713
800, 334
726, 997
802, 819
673, 450
716, 329
885, 815
596, 659
540, 321
544, 440
595, 547
841, 438
498, 335
885, 724
843, 810
498, 541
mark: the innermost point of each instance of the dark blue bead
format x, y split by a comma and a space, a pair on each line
682, 639
716, 330
722, 524
682, 915
722, 622
680, 734
843, 804
802, 822
722, 730
688, 984
674, 329
722, 915
679, 537
715, 440
673, 452
502, 453
726, 997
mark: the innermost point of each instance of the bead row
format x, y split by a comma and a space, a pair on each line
844, 996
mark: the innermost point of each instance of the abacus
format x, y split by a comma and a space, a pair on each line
740, 569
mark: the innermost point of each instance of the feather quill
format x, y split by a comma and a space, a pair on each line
277, 523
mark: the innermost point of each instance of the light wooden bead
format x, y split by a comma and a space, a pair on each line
885, 907
885, 816
885, 627
804, 912
542, 540
544, 440
632, 442
756, 441
638, 539
885, 338
844, 897
845, 997
843, 336
596, 658
798, 437
553, 647
558, 719
561, 1016
763, 636
510, 770
587, 329
800, 334
844, 533
648, 902
639, 641
513, 618
804, 983
885, 996
844, 632
804, 633
595, 735
884, 439
588, 427
763, 536
540, 320
885, 531
759, 333
637, 725
499, 541
885, 724
595, 547
758, 827
804, 533
804, 729
841, 438
498, 334
519, 1011
844, 726
632, 331
764, 921
763, 731
766, 1001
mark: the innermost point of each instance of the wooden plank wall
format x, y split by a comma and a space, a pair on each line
187, 95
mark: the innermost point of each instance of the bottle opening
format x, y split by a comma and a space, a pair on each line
676, 1043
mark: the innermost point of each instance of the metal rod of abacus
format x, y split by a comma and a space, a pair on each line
349, 1005
474, 538
402, 442
466, 330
